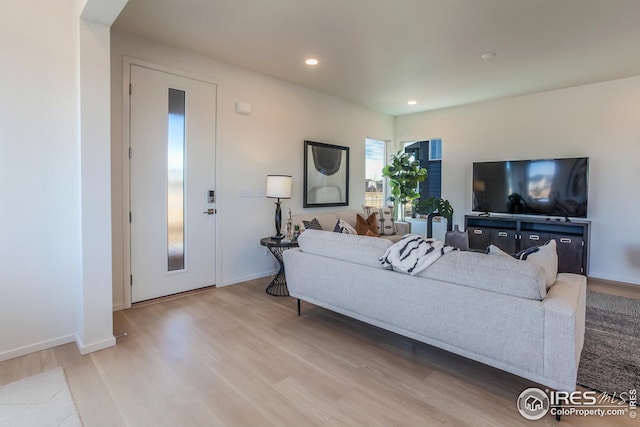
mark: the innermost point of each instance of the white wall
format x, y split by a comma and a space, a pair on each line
601, 121
40, 273
55, 275
270, 140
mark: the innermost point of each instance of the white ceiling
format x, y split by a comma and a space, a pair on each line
381, 53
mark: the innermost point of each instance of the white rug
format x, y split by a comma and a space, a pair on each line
41, 400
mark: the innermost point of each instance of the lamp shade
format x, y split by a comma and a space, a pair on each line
278, 186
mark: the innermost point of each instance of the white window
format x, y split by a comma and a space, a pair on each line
375, 159
435, 149
429, 154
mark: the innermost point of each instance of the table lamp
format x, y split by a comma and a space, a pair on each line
278, 187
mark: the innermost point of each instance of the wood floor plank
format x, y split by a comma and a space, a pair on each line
235, 356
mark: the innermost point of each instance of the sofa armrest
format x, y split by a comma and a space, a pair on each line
403, 228
564, 324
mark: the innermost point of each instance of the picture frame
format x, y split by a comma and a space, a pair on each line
326, 175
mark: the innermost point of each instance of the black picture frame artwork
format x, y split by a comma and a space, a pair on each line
326, 175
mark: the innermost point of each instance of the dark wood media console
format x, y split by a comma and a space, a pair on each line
513, 234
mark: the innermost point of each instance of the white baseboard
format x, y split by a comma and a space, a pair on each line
99, 345
119, 306
246, 278
32, 348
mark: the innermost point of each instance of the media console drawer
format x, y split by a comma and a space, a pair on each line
513, 234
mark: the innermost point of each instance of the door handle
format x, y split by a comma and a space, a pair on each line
210, 211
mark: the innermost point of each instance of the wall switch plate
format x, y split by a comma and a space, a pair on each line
245, 192
243, 108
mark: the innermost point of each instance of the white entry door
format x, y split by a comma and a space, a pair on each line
172, 178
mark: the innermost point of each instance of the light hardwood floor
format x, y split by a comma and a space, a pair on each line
614, 288
236, 356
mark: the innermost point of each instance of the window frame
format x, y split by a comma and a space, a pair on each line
420, 143
384, 181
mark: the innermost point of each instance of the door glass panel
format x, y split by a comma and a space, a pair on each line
175, 184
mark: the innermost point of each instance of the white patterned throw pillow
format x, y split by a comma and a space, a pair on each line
386, 223
546, 256
346, 227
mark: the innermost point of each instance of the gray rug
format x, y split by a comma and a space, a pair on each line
610, 360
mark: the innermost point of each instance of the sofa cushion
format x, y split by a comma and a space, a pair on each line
363, 250
494, 250
367, 227
504, 275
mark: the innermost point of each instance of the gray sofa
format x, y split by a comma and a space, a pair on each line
492, 309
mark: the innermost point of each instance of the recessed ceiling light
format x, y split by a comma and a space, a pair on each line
311, 61
412, 102
488, 55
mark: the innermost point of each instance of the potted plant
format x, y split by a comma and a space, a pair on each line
404, 173
432, 207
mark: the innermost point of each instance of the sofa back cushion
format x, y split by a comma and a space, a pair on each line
327, 220
363, 250
504, 275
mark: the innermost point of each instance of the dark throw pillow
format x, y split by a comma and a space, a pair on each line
312, 225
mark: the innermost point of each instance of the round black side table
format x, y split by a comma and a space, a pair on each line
278, 286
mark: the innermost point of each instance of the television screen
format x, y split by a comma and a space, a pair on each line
553, 187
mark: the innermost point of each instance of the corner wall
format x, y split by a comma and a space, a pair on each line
599, 120
249, 147
40, 278
95, 326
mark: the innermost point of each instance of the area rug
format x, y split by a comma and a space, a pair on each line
610, 360
41, 400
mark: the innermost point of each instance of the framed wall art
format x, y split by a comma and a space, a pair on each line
326, 175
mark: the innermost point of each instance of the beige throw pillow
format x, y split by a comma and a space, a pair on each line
546, 256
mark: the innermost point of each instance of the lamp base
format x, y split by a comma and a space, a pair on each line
278, 218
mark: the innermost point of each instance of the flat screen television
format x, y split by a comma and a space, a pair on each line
551, 187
